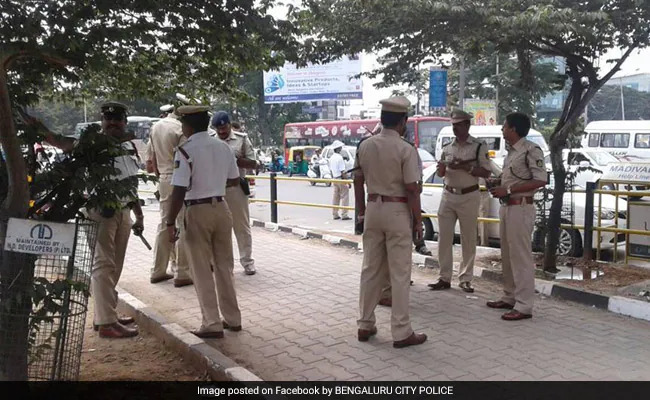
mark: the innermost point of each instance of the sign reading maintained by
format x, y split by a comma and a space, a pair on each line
332, 81
39, 237
636, 172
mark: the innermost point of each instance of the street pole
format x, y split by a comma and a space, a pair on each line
620, 81
85, 112
461, 84
496, 117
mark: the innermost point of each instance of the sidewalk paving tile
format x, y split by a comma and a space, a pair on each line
299, 322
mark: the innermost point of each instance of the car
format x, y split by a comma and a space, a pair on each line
588, 165
348, 152
571, 240
426, 158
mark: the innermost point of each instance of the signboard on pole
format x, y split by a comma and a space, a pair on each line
484, 111
39, 237
437, 88
332, 81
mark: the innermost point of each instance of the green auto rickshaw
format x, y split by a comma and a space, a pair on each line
299, 157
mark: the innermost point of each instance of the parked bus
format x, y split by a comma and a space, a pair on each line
625, 140
422, 131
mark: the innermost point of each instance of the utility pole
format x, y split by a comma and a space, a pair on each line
496, 117
461, 84
85, 112
620, 84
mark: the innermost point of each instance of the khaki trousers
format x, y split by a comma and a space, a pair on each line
387, 247
483, 211
464, 209
341, 196
164, 250
238, 205
208, 228
516, 227
112, 238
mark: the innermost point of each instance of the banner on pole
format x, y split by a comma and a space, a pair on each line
437, 88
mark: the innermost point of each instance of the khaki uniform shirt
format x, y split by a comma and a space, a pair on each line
458, 178
525, 161
212, 164
166, 135
241, 147
388, 163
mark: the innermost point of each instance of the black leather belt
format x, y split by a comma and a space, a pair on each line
466, 190
205, 200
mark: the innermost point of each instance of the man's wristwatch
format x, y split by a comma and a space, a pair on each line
509, 191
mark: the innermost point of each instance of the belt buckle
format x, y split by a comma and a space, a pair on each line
455, 190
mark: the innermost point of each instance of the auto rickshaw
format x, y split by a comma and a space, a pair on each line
299, 157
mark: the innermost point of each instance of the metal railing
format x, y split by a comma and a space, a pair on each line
589, 227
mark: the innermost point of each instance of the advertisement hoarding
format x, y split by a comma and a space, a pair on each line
437, 88
332, 81
484, 111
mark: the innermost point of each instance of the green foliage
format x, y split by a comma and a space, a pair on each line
130, 49
606, 104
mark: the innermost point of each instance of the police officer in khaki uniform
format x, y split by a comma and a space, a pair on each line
203, 167
389, 167
113, 232
523, 174
166, 135
463, 162
235, 196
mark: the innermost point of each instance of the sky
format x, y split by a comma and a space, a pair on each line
637, 62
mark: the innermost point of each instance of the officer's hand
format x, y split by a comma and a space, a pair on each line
499, 191
172, 231
419, 232
138, 227
360, 218
442, 167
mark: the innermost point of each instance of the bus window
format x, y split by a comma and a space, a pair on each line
493, 143
621, 140
642, 140
593, 139
428, 133
410, 132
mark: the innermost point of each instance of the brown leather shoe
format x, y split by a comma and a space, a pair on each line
124, 320
162, 278
440, 285
500, 304
386, 302
234, 328
208, 334
515, 315
364, 334
413, 340
183, 282
116, 331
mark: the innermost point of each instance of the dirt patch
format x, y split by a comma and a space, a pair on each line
142, 358
615, 276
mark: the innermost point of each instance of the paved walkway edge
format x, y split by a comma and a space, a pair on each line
195, 351
616, 304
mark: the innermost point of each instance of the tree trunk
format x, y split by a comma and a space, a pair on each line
15, 276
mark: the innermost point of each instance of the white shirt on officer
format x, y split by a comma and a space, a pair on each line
337, 165
213, 163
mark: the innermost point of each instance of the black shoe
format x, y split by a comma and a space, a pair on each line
467, 287
440, 285
423, 250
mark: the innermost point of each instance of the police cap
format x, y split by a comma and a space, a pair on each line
459, 115
398, 104
113, 108
220, 118
186, 111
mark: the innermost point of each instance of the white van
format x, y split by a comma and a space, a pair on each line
625, 140
490, 134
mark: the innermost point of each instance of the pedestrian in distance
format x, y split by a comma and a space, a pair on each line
341, 195
523, 173
389, 167
237, 196
166, 135
463, 161
203, 167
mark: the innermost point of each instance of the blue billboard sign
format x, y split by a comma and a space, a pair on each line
437, 88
